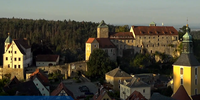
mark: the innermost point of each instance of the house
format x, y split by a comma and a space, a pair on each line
127, 87
101, 94
101, 43
187, 68
181, 94
41, 82
136, 96
115, 76
150, 38
21, 88
17, 56
61, 90
47, 60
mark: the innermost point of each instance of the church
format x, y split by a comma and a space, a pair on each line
186, 70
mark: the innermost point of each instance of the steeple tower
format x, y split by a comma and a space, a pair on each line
102, 30
187, 42
8, 41
186, 70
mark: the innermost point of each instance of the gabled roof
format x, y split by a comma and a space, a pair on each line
158, 96
136, 95
187, 60
25, 88
47, 58
100, 94
41, 76
105, 43
13, 81
117, 72
181, 94
61, 87
22, 43
121, 35
154, 30
135, 82
90, 40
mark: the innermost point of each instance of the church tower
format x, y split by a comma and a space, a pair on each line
186, 70
102, 30
7, 42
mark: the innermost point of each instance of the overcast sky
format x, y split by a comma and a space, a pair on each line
116, 12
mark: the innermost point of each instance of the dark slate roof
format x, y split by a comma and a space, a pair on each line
158, 96
187, 60
181, 94
41, 76
13, 81
135, 82
26, 88
47, 58
117, 72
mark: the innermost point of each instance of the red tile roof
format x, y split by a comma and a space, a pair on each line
181, 94
154, 30
41, 76
47, 58
105, 43
136, 95
121, 35
90, 40
61, 87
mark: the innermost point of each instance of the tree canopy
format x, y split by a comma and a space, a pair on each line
98, 64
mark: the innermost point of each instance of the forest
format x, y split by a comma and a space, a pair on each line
66, 38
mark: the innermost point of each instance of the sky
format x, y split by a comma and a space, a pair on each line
116, 12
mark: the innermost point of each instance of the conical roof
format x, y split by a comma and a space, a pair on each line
9, 39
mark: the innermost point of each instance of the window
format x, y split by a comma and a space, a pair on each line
6, 58
110, 50
18, 66
95, 46
196, 70
80, 66
8, 65
195, 81
42, 89
158, 39
195, 91
144, 37
36, 84
15, 52
181, 71
153, 37
15, 66
15, 59
8, 51
128, 41
158, 44
143, 90
181, 81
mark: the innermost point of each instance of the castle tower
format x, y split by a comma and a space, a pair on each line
7, 42
102, 30
186, 70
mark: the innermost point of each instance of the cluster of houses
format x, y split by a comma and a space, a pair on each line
37, 85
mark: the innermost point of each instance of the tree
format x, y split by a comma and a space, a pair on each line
182, 31
98, 64
124, 28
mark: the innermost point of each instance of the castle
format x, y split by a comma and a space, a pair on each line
17, 56
151, 38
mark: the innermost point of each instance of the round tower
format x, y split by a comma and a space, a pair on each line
7, 42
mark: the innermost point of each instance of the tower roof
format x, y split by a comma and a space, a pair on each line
102, 24
187, 37
8, 39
